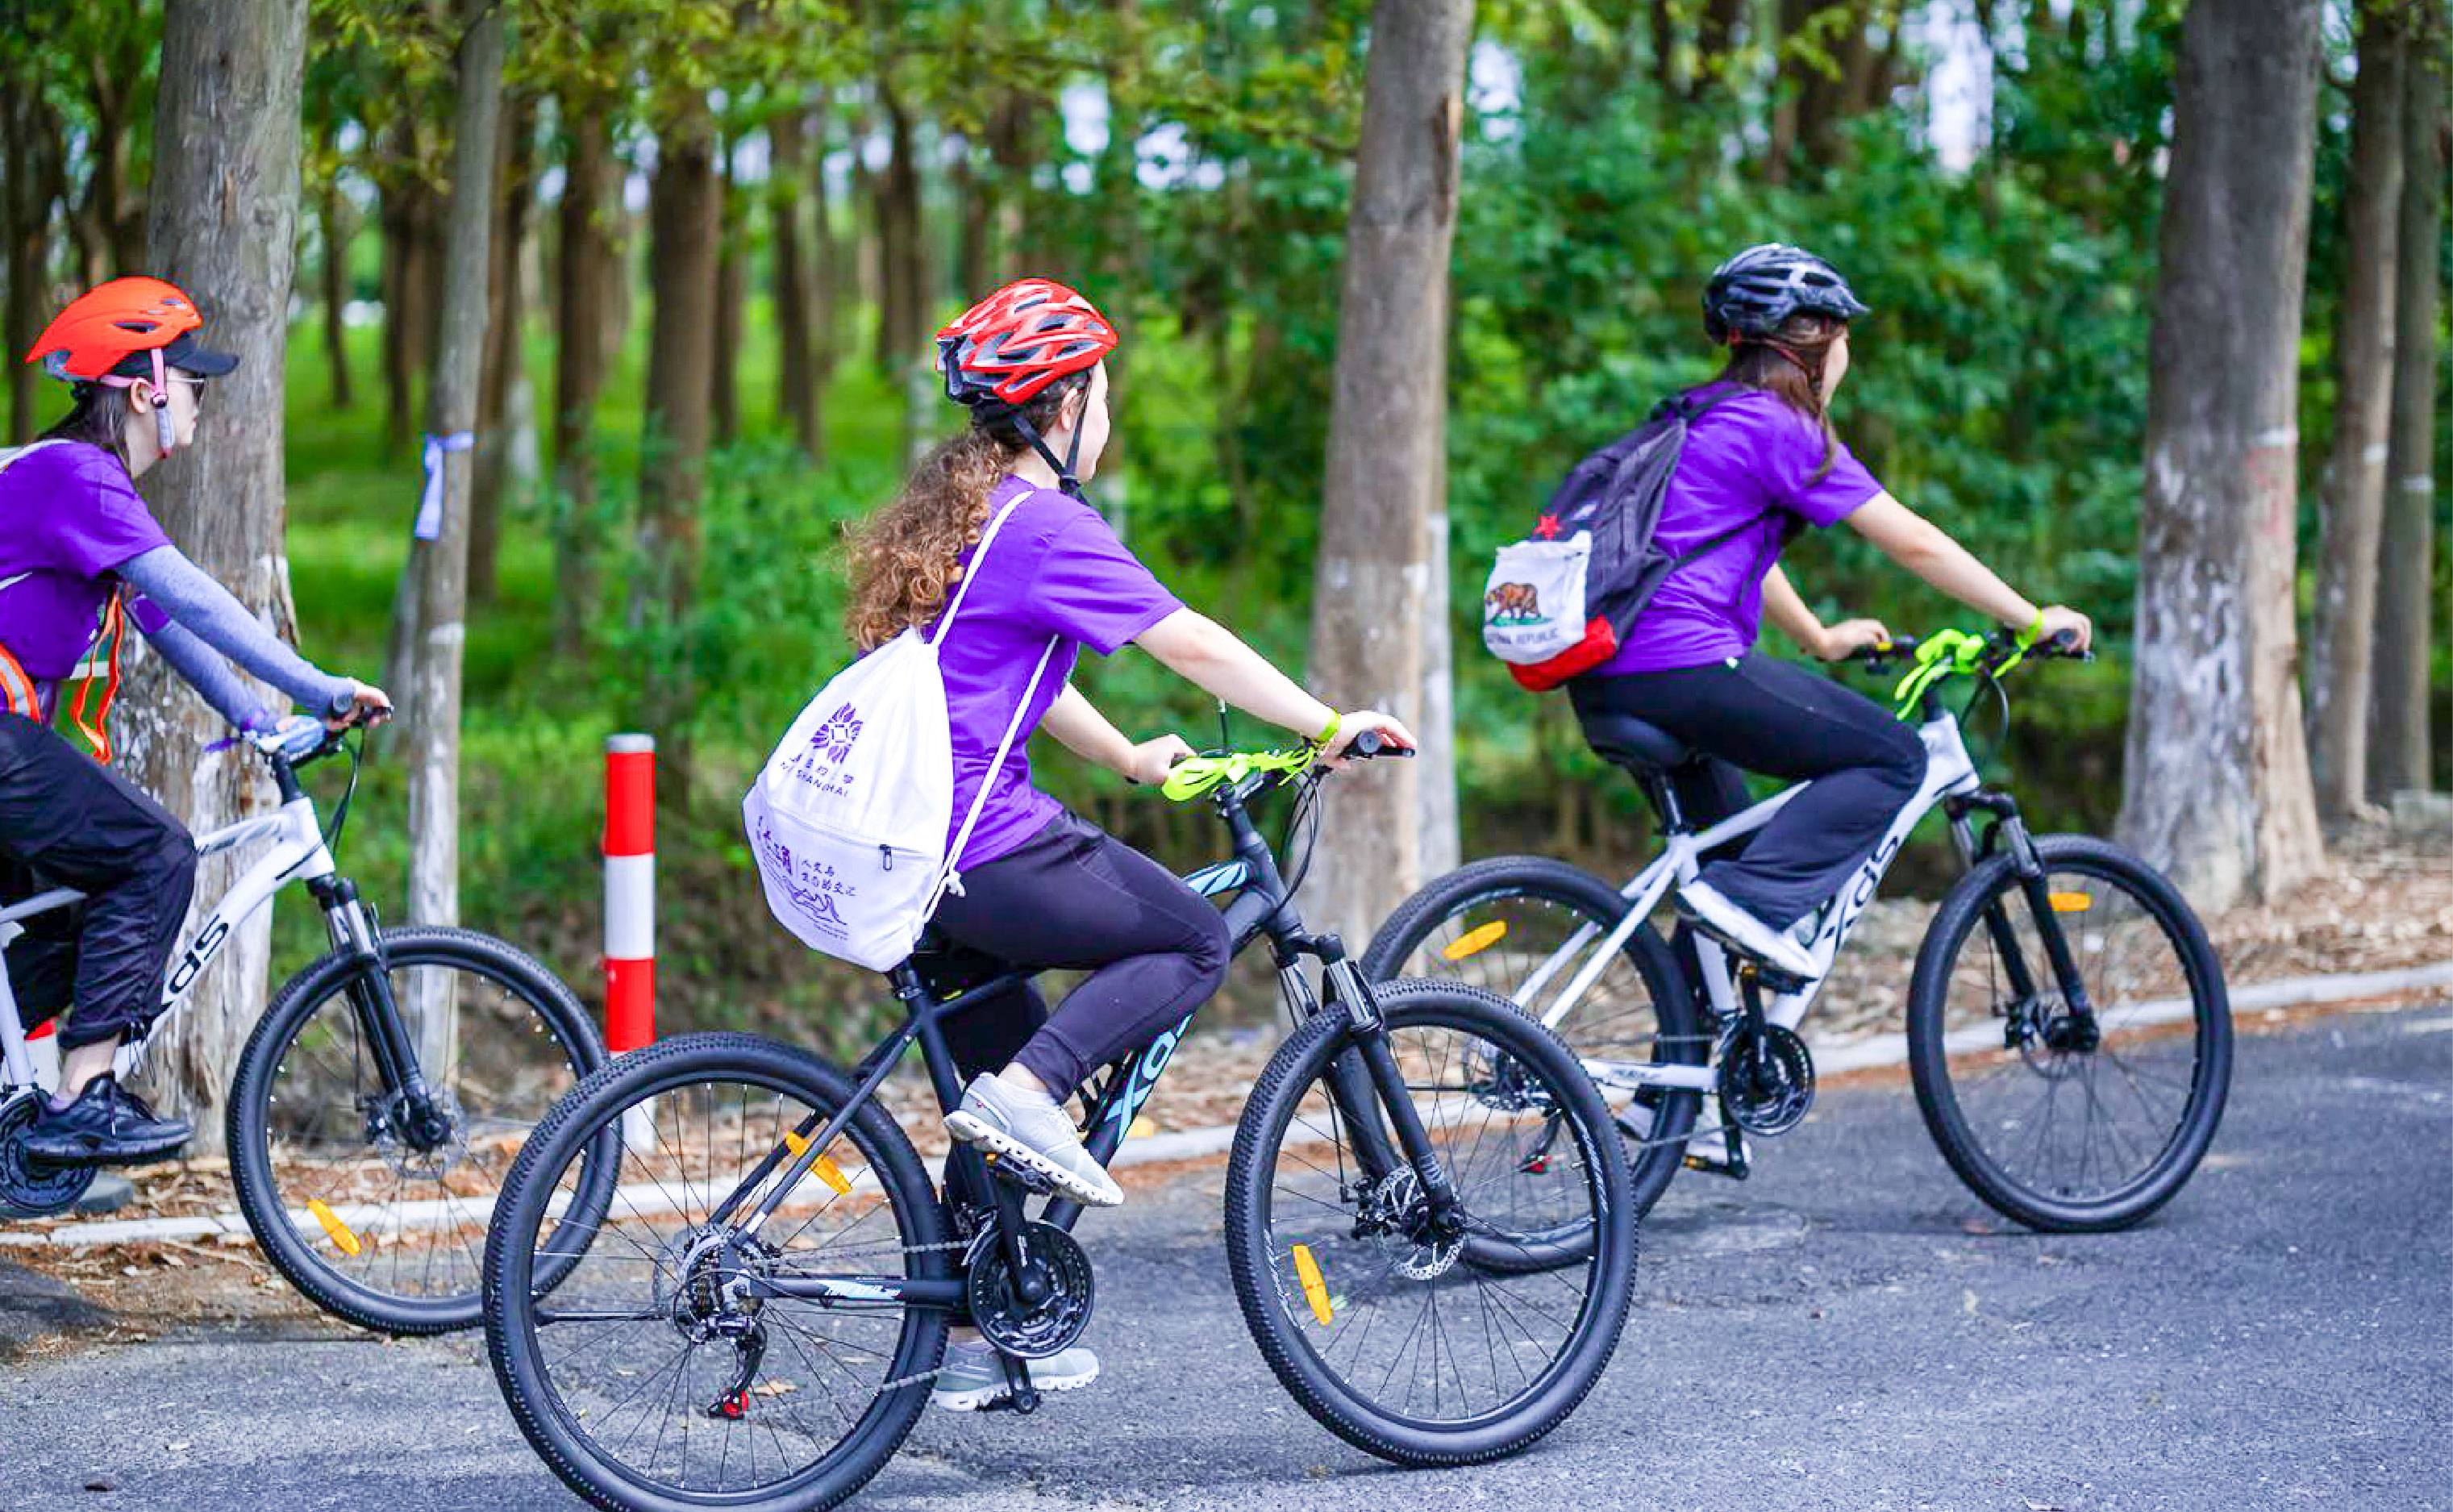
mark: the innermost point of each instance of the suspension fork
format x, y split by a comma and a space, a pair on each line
2008, 828
369, 990
1368, 1069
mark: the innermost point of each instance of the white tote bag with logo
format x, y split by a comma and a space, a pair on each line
847, 819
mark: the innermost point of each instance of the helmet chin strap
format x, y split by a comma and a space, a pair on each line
1066, 479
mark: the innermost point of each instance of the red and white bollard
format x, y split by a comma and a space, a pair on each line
630, 905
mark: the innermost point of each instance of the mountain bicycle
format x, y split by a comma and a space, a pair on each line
381, 1096
757, 1322
2070, 1035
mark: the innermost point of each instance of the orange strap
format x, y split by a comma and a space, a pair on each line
96, 732
17, 689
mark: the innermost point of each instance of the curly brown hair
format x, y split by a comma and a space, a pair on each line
908, 556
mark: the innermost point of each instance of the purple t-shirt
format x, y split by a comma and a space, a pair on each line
1749, 455
69, 516
1054, 570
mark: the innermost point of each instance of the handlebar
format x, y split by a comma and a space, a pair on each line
1901, 650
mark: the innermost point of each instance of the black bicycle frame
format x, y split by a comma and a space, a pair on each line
1261, 907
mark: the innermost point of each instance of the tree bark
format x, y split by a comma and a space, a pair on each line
332, 218
2343, 634
589, 196
684, 205
796, 376
442, 578
723, 376
31, 188
833, 301
507, 302
2397, 704
2216, 787
903, 265
224, 227
1380, 587
409, 273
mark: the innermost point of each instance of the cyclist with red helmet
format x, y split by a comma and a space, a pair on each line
1041, 887
81, 559
1761, 463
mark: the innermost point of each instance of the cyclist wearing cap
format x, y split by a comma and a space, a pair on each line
82, 556
1762, 459
1042, 888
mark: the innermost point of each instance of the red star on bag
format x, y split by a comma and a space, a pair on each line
1548, 529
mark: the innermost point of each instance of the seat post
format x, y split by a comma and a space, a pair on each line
1664, 794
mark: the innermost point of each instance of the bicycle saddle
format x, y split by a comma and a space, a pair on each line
1629, 741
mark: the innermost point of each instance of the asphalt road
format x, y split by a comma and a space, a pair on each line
1847, 1329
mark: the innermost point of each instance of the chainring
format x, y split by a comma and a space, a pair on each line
1032, 1331
38, 1187
1766, 1080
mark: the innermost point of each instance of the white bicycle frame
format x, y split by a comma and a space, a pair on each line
1949, 770
298, 854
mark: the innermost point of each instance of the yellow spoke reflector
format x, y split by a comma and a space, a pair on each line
333, 1227
828, 1171
1315, 1290
2070, 902
1476, 940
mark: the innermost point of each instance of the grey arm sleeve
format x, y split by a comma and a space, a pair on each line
181, 590
209, 672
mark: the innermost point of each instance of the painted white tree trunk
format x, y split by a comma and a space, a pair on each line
224, 227
2215, 783
1380, 595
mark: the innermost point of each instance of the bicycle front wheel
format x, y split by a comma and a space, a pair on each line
372, 1208
1362, 1296
693, 1356
1499, 923
2067, 1118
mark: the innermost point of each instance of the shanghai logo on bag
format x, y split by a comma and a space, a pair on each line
810, 887
834, 737
820, 765
1513, 604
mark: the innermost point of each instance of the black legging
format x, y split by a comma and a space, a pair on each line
65, 822
1775, 717
1074, 898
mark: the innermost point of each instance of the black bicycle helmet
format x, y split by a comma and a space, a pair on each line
1755, 293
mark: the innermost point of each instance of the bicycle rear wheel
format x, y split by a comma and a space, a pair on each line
1366, 1308
1495, 923
378, 1220
661, 1372
2066, 1121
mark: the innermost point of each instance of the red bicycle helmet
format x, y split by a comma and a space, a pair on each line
1019, 339
125, 330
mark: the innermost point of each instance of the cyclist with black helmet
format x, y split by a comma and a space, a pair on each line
81, 558
1041, 886
1761, 460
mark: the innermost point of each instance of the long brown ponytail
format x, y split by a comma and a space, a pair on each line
1789, 363
908, 556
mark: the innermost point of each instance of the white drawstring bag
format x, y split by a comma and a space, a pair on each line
848, 818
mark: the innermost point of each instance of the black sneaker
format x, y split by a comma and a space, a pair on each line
107, 1125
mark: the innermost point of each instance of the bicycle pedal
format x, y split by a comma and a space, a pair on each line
1018, 1175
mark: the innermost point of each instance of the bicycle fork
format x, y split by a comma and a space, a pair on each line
1369, 1072
346, 921
2078, 1031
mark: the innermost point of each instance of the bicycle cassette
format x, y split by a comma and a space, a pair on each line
1766, 1080
1058, 1275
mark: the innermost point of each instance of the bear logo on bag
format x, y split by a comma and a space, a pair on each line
1512, 604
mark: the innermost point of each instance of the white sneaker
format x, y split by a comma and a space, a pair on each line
973, 1376
1749, 935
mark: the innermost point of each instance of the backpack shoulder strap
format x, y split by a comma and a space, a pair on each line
962, 590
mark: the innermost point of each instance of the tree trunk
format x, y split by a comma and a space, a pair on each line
506, 299
2343, 632
591, 191
723, 376
833, 301
1009, 146
224, 227
684, 207
902, 263
2397, 704
1381, 581
30, 188
407, 213
2216, 786
796, 371
332, 218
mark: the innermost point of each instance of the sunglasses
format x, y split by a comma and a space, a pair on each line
195, 384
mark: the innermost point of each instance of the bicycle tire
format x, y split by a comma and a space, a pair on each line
1406, 945
316, 1269
1273, 1316
1942, 1090
512, 1341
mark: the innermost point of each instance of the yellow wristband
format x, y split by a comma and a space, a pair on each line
2033, 632
1330, 734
